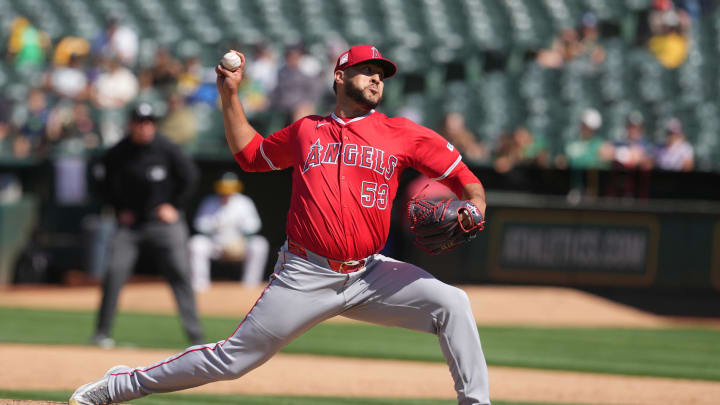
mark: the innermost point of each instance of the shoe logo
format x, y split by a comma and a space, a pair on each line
321, 124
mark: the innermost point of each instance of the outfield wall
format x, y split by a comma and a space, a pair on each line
530, 238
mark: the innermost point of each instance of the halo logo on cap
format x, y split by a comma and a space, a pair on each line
362, 53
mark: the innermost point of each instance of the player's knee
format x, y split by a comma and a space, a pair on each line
456, 300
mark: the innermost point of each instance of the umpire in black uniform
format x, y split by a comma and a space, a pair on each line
148, 179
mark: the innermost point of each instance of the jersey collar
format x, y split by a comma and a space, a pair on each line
341, 122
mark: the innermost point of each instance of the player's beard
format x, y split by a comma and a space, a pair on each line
356, 94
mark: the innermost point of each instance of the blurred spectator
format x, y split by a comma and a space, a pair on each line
191, 76
180, 123
634, 151
147, 93
6, 109
116, 87
69, 47
564, 48
147, 180
455, 131
117, 41
632, 161
71, 123
28, 44
263, 76
294, 94
228, 223
31, 122
670, 39
677, 153
696, 8
581, 45
165, 71
112, 91
591, 50
507, 153
584, 156
534, 148
589, 151
520, 147
264, 69
70, 80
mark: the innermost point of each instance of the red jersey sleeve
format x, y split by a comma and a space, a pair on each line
276, 152
431, 154
438, 159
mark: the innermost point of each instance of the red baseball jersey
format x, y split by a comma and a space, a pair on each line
346, 176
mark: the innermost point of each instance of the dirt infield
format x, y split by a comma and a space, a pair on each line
333, 376
34, 367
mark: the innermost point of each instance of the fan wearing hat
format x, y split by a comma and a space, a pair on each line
346, 167
147, 180
228, 223
676, 154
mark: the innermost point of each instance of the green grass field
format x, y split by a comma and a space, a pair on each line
192, 399
692, 353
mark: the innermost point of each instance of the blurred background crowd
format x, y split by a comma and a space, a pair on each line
552, 83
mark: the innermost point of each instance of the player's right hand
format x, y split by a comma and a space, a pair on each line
228, 81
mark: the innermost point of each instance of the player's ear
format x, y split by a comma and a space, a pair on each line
339, 77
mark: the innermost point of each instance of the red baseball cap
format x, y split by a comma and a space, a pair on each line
363, 53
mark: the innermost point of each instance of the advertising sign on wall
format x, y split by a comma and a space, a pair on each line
617, 249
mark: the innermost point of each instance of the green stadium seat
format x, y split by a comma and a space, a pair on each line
563, 13
526, 17
638, 4
605, 9
487, 24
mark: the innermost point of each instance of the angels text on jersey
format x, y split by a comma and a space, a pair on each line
351, 154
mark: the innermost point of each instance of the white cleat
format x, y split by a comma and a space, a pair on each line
96, 392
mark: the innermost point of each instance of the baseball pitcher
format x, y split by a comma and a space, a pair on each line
346, 170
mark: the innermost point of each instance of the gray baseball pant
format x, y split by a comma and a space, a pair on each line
302, 293
168, 242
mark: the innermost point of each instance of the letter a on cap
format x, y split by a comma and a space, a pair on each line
375, 53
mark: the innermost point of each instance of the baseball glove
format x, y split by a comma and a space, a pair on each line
438, 226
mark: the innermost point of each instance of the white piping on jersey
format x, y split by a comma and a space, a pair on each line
449, 170
262, 152
341, 122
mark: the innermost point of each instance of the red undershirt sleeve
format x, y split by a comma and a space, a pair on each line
459, 178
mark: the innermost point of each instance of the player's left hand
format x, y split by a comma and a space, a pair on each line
442, 226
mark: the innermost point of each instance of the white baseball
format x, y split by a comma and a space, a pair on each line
231, 61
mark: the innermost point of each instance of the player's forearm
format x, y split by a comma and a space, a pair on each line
238, 130
475, 192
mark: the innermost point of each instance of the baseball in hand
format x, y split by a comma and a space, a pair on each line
231, 61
